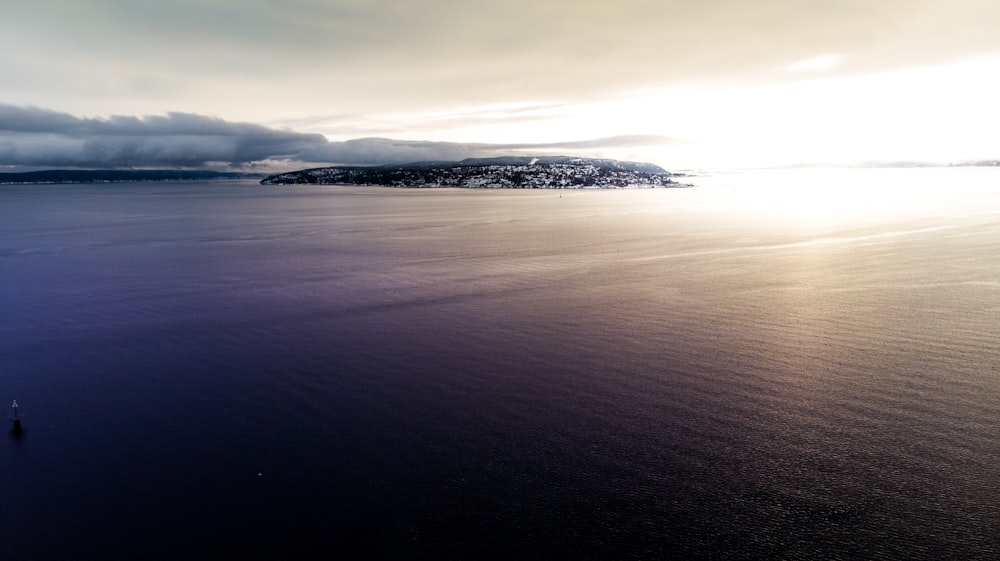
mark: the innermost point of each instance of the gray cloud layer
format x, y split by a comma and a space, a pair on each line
36, 137
366, 56
39, 137
382, 150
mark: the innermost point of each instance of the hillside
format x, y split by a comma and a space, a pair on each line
521, 172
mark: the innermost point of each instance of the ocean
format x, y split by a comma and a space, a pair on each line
797, 364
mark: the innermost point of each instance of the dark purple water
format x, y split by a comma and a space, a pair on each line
230, 371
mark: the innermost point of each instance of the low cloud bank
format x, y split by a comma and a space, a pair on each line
32, 137
363, 151
36, 137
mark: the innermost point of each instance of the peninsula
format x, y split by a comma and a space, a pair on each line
516, 172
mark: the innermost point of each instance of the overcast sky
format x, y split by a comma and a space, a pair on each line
97, 83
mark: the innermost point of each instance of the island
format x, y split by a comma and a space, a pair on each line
514, 172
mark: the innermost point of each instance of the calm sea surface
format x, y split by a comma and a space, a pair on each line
772, 365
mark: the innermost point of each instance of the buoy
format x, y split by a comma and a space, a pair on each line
16, 416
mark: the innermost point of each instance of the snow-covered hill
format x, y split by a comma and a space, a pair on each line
520, 172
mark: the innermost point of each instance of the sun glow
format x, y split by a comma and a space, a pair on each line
821, 199
938, 114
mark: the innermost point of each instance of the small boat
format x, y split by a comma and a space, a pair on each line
16, 417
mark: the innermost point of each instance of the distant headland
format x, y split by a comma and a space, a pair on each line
517, 172
117, 176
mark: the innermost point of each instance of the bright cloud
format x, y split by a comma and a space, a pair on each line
824, 62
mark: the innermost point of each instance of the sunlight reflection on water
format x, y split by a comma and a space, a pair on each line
819, 198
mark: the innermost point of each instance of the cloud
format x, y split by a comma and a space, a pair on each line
31, 136
621, 141
258, 59
37, 137
824, 62
364, 151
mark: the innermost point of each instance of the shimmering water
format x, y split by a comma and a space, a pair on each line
779, 365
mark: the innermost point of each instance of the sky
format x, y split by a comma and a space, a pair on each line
696, 84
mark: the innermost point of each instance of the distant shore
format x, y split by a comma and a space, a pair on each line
116, 176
